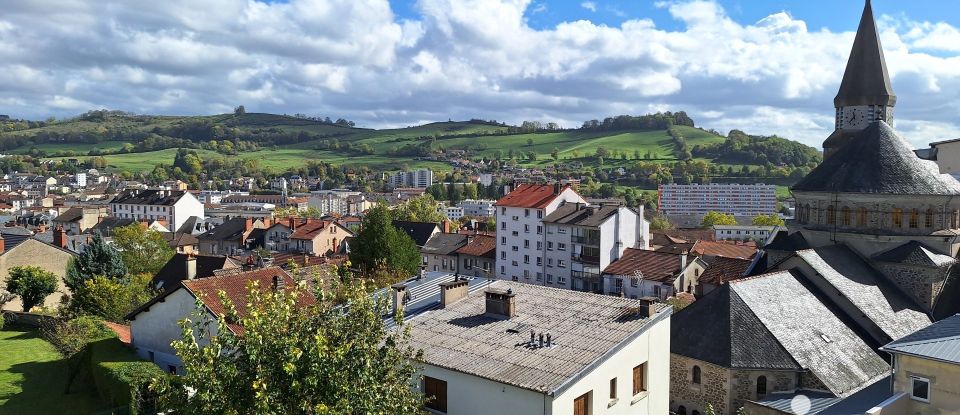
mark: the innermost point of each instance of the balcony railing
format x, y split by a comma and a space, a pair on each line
584, 275
585, 240
585, 259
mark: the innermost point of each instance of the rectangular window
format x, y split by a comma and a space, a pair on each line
539, 261
539, 245
435, 391
634, 282
514, 248
503, 254
613, 388
639, 373
503, 240
526, 228
539, 230
561, 279
503, 225
526, 244
539, 214
561, 263
549, 246
526, 259
921, 389
561, 246
618, 283
526, 213
550, 278
581, 405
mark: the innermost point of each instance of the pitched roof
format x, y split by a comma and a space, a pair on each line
721, 270
534, 196
309, 229
175, 270
915, 253
149, 197
177, 239
878, 160
420, 232
584, 328
229, 230
444, 244
728, 249
109, 223
876, 298
785, 241
480, 245
70, 215
653, 265
938, 341
234, 286
866, 81
770, 318
582, 214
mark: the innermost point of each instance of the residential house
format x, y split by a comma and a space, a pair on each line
172, 206
77, 220
640, 273
154, 325
478, 257
190, 267
230, 238
181, 242
33, 252
743, 232
440, 252
319, 237
513, 348
721, 270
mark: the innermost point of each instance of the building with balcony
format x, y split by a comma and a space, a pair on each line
420, 178
686, 204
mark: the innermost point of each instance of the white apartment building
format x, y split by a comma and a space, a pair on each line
335, 201
744, 200
520, 229
478, 208
537, 350
214, 197
174, 206
454, 212
80, 180
420, 178
743, 232
581, 240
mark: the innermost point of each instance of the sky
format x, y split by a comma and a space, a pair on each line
765, 67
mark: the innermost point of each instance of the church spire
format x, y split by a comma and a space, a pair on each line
866, 81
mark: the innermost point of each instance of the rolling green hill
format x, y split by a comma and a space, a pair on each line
280, 142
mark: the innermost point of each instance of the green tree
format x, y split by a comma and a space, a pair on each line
716, 218
32, 284
97, 259
555, 154
380, 244
295, 359
142, 250
419, 209
111, 299
772, 219
660, 223
529, 142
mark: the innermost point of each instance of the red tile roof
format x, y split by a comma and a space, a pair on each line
122, 330
234, 286
722, 270
310, 229
653, 265
529, 195
728, 249
480, 245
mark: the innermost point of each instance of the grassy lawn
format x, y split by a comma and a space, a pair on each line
32, 378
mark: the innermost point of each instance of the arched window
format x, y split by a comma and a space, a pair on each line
682, 410
914, 218
862, 217
831, 215
761, 386
928, 219
845, 216
696, 412
696, 375
897, 218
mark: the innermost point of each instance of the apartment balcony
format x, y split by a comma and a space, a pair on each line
585, 240
585, 259
584, 275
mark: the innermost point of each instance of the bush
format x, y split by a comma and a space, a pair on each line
121, 378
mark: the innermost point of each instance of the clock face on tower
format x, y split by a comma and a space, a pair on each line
854, 118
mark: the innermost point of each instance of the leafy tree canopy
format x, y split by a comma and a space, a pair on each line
420, 209
97, 259
768, 220
142, 250
32, 284
380, 244
716, 218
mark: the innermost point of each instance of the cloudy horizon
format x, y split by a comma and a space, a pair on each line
392, 65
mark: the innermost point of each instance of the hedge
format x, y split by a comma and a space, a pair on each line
120, 376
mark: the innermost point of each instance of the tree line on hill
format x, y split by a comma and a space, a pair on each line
742, 148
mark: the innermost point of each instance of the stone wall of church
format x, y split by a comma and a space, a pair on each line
922, 283
896, 214
745, 385
714, 387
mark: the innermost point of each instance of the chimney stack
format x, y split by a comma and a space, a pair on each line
399, 296
2, 245
248, 225
446, 226
683, 261
277, 283
452, 291
191, 263
266, 223
292, 223
501, 304
60, 237
557, 188
648, 306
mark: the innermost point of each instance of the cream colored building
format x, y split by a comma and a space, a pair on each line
32, 252
513, 348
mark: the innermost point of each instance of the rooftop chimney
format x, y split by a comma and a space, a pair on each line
292, 223
2, 246
501, 304
248, 225
452, 291
399, 296
446, 226
683, 261
277, 283
557, 188
648, 306
60, 237
191, 265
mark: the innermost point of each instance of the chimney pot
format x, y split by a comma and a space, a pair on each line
453, 291
541, 340
277, 283
500, 304
549, 340
399, 296
648, 306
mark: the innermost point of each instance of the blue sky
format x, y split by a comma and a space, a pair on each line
765, 67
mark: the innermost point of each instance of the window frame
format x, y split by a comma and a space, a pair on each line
913, 382
639, 382
436, 404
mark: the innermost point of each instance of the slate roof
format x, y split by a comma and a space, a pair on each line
785, 241
653, 265
584, 328
878, 160
938, 341
823, 403
420, 232
581, 214
774, 321
444, 244
915, 253
175, 270
149, 197
480, 245
721, 270
869, 291
178, 239
14, 235
230, 229
866, 81
109, 223
534, 196
70, 215
728, 249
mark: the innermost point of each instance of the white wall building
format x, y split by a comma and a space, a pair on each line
745, 200
479, 208
520, 229
454, 212
540, 350
420, 178
335, 201
174, 206
743, 232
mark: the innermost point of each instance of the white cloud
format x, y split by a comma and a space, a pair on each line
458, 59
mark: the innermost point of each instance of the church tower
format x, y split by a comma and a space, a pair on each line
865, 94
